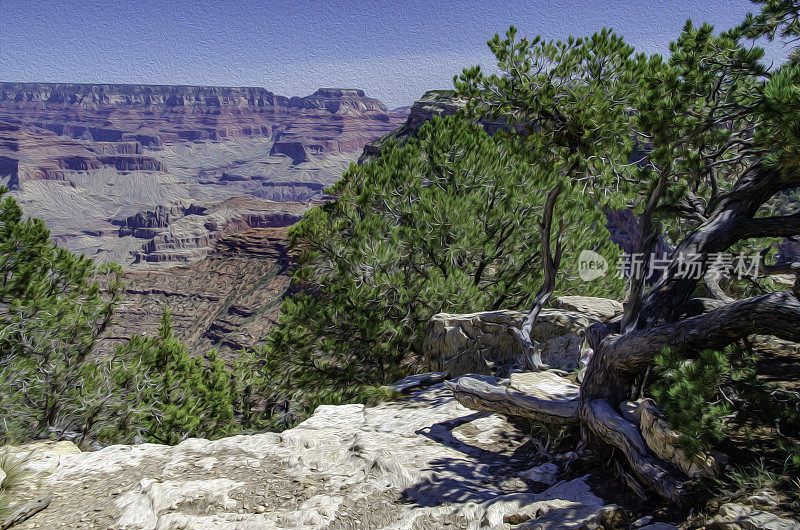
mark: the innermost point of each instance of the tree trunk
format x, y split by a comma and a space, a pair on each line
531, 350
620, 358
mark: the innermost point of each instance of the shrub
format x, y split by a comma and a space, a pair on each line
448, 222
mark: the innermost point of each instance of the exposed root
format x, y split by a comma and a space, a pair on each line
615, 430
559, 408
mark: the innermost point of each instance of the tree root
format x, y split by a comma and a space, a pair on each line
480, 395
612, 428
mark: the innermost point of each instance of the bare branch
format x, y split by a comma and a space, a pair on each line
550, 264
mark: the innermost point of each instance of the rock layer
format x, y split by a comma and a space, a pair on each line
227, 300
156, 114
85, 157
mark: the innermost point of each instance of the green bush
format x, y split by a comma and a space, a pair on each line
14, 468
448, 222
689, 392
704, 397
174, 395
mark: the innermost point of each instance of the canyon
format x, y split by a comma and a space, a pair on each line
190, 188
88, 158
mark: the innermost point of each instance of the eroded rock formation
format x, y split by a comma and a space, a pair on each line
157, 114
86, 157
227, 300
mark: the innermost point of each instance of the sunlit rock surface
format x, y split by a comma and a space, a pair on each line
421, 462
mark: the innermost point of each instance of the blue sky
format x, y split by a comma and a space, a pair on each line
394, 50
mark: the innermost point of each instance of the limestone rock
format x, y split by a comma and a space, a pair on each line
545, 473
602, 309
764, 498
663, 441
421, 462
43, 457
2, 476
477, 343
228, 300
187, 232
734, 516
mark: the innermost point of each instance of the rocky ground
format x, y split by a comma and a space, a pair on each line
462, 452
421, 462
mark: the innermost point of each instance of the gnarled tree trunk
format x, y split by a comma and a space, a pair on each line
620, 358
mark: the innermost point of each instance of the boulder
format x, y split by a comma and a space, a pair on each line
42, 457
482, 343
545, 473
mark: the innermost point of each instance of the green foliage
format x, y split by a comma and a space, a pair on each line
702, 397
777, 18
696, 110
177, 396
54, 306
52, 311
568, 103
379, 393
749, 478
692, 122
447, 222
760, 478
14, 468
689, 392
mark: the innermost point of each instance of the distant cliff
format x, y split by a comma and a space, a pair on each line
204, 97
192, 186
84, 156
156, 114
432, 103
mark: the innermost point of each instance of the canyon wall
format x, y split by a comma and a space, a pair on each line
191, 188
87, 157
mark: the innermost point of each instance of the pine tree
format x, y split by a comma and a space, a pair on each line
179, 396
705, 141
447, 222
52, 311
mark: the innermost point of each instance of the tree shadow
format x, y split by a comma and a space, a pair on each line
478, 477
451, 481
